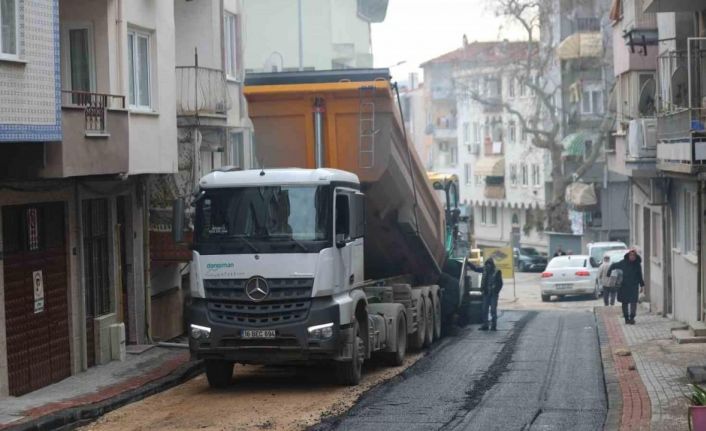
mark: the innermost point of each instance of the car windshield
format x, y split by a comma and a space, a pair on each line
597, 252
529, 251
567, 262
300, 213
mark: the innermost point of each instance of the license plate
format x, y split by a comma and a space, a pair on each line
258, 333
564, 286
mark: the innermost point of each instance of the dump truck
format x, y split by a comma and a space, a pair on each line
336, 248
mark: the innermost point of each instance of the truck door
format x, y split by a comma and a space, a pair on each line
345, 277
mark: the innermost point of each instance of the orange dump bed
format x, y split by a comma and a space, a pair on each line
362, 133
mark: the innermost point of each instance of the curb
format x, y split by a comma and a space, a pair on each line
612, 384
74, 417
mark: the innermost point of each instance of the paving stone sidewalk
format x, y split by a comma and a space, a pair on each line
660, 363
85, 396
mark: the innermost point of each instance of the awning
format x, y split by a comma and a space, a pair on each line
581, 45
490, 167
575, 143
655, 6
580, 195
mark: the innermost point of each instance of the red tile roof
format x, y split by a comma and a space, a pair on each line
487, 53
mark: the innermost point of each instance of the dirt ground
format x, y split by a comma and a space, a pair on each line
268, 398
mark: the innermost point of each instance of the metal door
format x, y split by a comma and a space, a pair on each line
36, 303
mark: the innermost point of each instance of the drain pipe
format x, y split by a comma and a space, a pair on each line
319, 111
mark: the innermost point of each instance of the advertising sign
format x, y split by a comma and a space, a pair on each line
503, 258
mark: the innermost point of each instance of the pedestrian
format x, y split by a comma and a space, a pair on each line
559, 252
632, 284
490, 286
609, 291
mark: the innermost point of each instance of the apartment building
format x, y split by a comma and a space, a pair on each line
213, 131
325, 34
88, 119
502, 173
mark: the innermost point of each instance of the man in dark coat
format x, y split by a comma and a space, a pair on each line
490, 286
631, 285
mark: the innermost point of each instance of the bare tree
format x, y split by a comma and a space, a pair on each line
544, 121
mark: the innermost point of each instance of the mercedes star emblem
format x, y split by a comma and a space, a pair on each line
257, 289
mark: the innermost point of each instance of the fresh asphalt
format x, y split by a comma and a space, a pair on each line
540, 371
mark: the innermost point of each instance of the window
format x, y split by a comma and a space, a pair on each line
479, 180
453, 155
511, 87
9, 28
689, 222
511, 132
476, 133
483, 215
138, 51
523, 134
466, 134
235, 150
656, 235
513, 174
467, 173
230, 33
592, 101
536, 180
524, 174
494, 216
523, 89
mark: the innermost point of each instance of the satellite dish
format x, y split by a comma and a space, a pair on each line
680, 89
646, 104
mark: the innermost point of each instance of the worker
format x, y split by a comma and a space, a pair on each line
490, 286
559, 252
631, 285
609, 290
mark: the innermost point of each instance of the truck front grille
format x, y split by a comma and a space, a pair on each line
289, 301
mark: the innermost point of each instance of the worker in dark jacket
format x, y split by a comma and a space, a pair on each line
490, 286
632, 283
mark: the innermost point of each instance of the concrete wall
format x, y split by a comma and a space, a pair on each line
684, 265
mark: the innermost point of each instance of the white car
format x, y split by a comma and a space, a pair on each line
596, 250
570, 275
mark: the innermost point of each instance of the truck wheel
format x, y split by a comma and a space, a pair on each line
397, 358
437, 317
219, 373
429, 333
349, 372
546, 298
417, 338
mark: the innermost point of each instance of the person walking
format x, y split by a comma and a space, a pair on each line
632, 283
609, 291
490, 286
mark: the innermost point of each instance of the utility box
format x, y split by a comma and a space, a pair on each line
117, 342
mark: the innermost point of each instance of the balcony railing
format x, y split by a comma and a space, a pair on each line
94, 106
201, 91
681, 124
635, 19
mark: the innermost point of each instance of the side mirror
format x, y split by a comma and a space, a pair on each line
178, 220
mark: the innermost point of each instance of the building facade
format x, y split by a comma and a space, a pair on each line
325, 34
89, 123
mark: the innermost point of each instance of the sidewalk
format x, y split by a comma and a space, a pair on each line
90, 394
645, 371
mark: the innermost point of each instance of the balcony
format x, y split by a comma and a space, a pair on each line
639, 28
445, 128
96, 137
681, 138
202, 95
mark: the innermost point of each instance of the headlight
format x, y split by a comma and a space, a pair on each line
321, 332
198, 332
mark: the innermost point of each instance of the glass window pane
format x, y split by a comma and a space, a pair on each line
143, 71
586, 103
131, 67
8, 26
78, 52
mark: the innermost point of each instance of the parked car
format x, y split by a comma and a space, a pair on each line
596, 250
570, 275
615, 255
529, 259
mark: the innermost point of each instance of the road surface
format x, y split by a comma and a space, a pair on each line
540, 370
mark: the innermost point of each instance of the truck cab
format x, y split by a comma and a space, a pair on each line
277, 265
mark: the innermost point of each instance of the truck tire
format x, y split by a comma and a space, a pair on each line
437, 317
349, 372
416, 340
219, 373
396, 358
429, 333
546, 298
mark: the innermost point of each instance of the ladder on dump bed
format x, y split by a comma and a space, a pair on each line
366, 127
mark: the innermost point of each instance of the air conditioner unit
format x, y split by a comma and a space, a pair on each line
642, 138
658, 191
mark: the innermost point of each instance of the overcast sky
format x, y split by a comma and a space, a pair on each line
418, 30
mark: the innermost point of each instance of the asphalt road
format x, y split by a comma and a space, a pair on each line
541, 370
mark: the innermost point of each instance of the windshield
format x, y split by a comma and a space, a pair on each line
300, 213
529, 251
598, 252
567, 262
